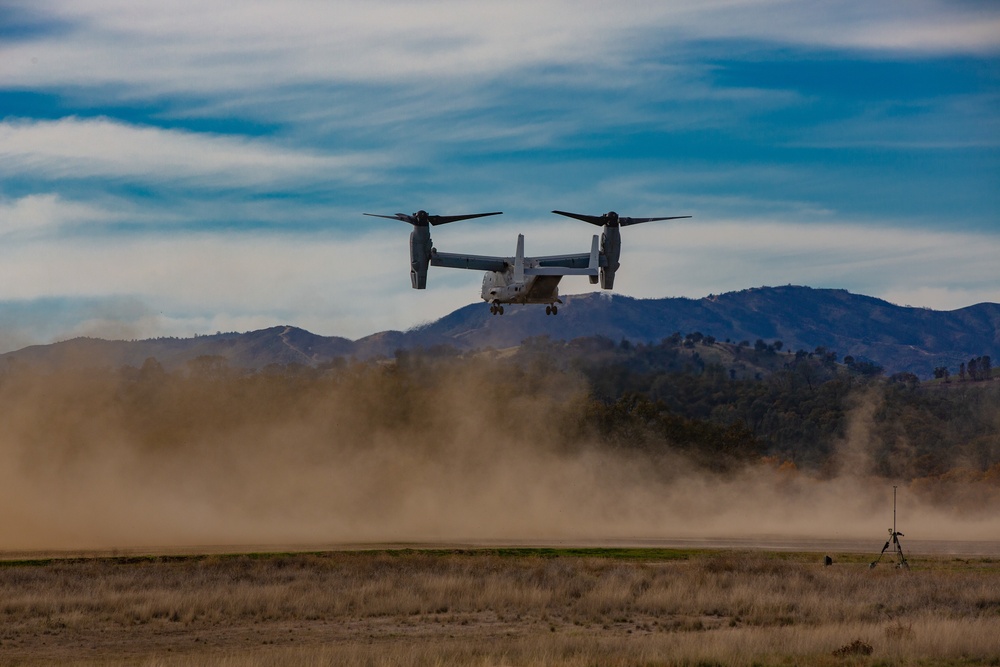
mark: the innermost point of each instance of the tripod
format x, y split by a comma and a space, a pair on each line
894, 536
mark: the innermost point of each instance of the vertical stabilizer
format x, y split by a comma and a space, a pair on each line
595, 261
519, 260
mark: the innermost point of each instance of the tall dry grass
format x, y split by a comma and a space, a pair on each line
481, 608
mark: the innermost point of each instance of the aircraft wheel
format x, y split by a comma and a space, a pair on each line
501, 310
555, 310
548, 310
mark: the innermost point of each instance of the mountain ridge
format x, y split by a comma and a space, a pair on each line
900, 338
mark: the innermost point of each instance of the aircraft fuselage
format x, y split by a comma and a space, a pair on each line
501, 287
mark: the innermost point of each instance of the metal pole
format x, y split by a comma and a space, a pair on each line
893, 510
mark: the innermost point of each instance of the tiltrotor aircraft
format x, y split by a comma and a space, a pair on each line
521, 279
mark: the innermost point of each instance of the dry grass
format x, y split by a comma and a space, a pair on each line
484, 608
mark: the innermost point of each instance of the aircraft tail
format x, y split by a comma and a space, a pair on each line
519, 260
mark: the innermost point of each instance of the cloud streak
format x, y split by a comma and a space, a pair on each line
192, 46
39, 214
75, 148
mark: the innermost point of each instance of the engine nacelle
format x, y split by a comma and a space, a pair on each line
420, 256
611, 248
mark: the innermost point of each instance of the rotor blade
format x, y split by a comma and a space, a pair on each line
398, 216
445, 219
635, 221
592, 219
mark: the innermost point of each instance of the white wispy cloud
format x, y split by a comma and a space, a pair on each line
447, 75
908, 26
191, 46
928, 27
75, 148
39, 214
196, 46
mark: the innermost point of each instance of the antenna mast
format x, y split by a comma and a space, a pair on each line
893, 540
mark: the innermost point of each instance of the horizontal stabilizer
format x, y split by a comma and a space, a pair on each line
474, 262
558, 271
569, 265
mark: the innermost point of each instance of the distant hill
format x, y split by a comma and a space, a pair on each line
254, 349
899, 338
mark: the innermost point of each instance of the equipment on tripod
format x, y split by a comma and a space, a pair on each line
894, 536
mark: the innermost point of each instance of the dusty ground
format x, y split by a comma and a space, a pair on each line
57, 643
777, 543
498, 606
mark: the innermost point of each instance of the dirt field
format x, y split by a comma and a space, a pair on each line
500, 607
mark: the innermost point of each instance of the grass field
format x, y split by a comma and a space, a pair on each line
499, 607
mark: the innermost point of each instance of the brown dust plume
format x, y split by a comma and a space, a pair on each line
453, 451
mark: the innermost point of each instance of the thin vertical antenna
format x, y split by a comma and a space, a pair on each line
893, 540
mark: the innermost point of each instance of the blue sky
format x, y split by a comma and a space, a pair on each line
192, 167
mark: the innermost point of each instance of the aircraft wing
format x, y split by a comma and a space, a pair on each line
582, 264
474, 262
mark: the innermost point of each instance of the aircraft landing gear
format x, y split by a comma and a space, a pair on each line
551, 310
495, 309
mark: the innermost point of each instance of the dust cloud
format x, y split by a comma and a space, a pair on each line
447, 452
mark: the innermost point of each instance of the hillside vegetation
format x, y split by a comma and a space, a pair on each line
901, 339
798, 406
